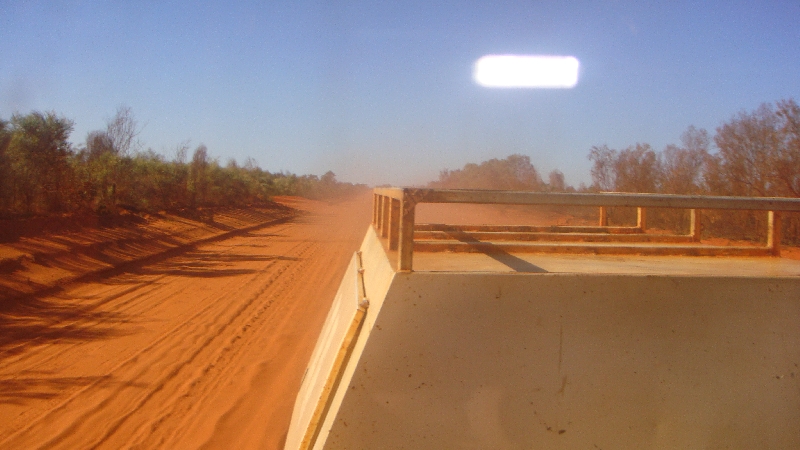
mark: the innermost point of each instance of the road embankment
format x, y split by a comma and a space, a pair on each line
41, 262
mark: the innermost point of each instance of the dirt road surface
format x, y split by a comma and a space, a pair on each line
203, 350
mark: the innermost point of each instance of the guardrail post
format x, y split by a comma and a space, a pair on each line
641, 218
405, 251
385, 208
774, 232
394, 223
694, 224
603, 216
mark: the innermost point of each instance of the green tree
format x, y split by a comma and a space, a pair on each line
39, 155
198, 177
102, 171
512, 173
5, 169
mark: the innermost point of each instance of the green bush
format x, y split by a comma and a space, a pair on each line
40, 173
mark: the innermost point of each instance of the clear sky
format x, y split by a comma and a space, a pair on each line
382, 92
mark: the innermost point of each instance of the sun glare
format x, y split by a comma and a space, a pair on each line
526, 71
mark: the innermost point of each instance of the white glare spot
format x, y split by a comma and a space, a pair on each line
526, 71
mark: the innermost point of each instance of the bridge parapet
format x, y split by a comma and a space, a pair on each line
394, 211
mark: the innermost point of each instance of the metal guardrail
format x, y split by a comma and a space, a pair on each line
394, 211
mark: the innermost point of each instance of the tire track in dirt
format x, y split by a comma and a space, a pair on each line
209, 336
211, 344
220, 360
168, 337
33, 353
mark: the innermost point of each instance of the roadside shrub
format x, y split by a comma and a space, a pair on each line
41, 174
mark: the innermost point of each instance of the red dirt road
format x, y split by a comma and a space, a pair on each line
203, 350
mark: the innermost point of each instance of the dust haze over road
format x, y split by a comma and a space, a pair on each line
202, 350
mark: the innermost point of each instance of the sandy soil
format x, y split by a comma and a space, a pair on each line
35, 259
205, 349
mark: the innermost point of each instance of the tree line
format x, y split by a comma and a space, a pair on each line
757, 154
754, 153
514, 173
42, 173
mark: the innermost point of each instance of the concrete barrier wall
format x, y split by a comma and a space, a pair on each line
330, 340
541, 360
377, 279
577, 361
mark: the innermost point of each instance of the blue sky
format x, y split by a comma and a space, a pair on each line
381, 92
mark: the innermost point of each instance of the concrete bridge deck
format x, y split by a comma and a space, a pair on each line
561, 351
474, 345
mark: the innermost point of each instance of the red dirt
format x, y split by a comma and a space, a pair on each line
204, 349
34, 257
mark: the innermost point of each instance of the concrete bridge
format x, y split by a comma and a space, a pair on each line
447, 336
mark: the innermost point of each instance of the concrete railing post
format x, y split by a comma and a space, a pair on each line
603, 216
694, 224
385, 208
394, 223
374, 209
379, 214
641, 218
406, 242
774, 232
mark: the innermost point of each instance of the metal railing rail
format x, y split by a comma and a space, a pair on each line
394, 210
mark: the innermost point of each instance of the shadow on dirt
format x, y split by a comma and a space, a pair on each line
205, 264
31, 321
16, 391
34, 313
